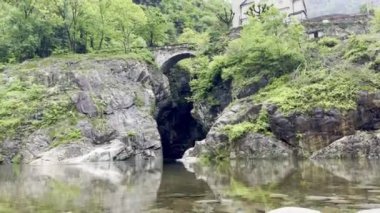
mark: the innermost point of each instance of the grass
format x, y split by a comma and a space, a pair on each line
326, 89
236, 131
329, 42
65, 135
17, 159
259, 125
18, 101
27, 105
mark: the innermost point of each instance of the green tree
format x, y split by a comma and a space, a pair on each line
190, 36
268, 48
127, 19
198, 15
26, 32
155, 31
72, 18
100, 26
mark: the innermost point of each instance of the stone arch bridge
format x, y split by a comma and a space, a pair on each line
167, 56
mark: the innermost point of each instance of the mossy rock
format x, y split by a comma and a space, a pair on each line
17, 159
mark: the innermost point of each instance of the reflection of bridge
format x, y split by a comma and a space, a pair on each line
167, 56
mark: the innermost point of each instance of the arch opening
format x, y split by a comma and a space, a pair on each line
176, 125
172, 61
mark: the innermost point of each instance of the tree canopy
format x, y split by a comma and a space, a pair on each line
39, 28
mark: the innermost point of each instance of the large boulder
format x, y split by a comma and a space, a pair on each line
115, 101
312, 131
360, 145
258, 146
251, 145
299, 133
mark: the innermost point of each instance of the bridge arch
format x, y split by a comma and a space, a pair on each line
167, 56
177, 127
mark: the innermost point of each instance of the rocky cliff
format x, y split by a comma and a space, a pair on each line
86, 110
319, 133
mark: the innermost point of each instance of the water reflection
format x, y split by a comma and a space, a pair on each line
257, 186
330, 186
105, 187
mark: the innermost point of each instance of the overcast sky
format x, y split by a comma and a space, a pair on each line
326, 7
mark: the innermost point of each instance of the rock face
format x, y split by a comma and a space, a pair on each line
207, 113
313, 131
116, 100
360, 145
258, 146
177, 127
324, 133
252, 145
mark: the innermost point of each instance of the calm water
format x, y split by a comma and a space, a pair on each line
330, 186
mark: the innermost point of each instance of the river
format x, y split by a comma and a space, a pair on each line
256, 186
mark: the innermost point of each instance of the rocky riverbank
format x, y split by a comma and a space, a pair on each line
87, 110
317, 134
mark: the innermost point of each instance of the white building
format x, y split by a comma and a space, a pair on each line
290, 7
303, 8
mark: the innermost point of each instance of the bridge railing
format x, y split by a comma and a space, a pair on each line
174, 46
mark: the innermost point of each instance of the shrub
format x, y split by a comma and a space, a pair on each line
376, 21
236, 131
65, 135
362, 49
325, 89
328, 42
267, 48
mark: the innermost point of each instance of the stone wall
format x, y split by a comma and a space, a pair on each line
337, 25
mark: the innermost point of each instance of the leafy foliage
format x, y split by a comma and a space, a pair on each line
327, 89
329, 41
199, 39
236, 131
199, 15
42, 27
157, 29
363, 48
64, 135
376, 21
260, 125
26, 106
267, 48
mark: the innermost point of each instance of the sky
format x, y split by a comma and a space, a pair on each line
326, 7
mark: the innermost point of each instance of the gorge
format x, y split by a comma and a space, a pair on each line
159, 106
